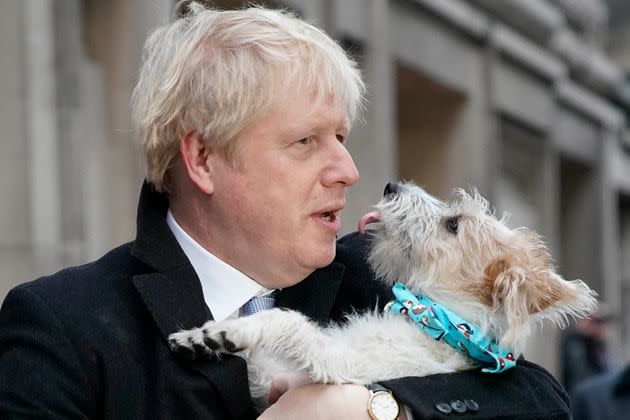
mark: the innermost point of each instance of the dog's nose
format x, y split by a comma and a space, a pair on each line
391, 188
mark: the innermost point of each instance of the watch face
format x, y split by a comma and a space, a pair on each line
383, 406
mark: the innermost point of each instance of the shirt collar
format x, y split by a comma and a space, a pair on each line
225, 289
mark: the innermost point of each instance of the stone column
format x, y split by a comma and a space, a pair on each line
15, 227
609, 222
43, 159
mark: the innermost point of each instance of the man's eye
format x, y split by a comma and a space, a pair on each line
305, 141
341, 138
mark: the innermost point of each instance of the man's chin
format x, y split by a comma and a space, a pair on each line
323, 258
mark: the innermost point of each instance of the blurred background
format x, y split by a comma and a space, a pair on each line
528, 100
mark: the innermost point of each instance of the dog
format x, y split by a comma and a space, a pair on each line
458, 253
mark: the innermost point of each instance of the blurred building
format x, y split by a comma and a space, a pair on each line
515, 97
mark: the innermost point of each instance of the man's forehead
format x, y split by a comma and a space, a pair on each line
317, 115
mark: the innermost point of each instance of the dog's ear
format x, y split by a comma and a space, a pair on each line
525, 291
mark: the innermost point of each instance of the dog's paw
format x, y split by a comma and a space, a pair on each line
204, 342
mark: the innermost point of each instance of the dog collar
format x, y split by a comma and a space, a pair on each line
442, 324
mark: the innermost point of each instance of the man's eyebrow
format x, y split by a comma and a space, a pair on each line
314, 127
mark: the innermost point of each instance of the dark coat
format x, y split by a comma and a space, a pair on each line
90, 341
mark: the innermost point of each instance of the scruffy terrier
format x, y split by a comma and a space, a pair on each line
500, 281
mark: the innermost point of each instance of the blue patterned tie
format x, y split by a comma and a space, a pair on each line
259, 303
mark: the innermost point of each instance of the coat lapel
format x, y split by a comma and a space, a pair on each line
175, 301
170, 290
315, 295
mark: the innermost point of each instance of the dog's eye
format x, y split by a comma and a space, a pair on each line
452, 223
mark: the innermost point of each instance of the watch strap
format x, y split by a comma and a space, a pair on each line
376, 387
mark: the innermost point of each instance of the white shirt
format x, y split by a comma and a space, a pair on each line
225, 289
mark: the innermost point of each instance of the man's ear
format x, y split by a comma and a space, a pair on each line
195, 155
523, 294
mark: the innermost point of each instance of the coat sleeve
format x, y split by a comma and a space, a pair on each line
525, 392
41, 372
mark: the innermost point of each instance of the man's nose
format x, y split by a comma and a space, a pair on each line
342, 168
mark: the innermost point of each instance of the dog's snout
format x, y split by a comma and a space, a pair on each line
391, 188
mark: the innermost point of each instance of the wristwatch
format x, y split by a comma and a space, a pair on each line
382, 405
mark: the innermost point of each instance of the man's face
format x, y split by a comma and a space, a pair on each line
278, 208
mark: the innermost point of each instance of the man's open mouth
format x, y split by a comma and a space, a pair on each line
329, 216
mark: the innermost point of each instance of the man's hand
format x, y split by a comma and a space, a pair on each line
318, 401
292, 398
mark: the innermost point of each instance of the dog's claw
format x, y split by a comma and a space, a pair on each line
201, 350
182, 352
212, 345
229, 345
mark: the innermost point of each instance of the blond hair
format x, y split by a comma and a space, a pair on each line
216, 71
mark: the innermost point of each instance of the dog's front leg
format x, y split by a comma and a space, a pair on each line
287, 336
241, 335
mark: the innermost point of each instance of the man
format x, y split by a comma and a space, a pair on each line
584, 352
243, 116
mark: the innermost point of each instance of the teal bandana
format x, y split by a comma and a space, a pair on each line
442, 324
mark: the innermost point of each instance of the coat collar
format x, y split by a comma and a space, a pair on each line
172, 294
155, 244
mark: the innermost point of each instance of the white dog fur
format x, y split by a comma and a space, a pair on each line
500, 279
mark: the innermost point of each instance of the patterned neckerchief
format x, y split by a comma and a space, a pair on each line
442, 324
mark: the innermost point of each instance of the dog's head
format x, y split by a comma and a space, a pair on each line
459, 254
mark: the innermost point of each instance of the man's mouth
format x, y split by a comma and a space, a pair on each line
371, 217
329, 216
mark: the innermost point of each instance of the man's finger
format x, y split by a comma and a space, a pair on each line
278, 387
